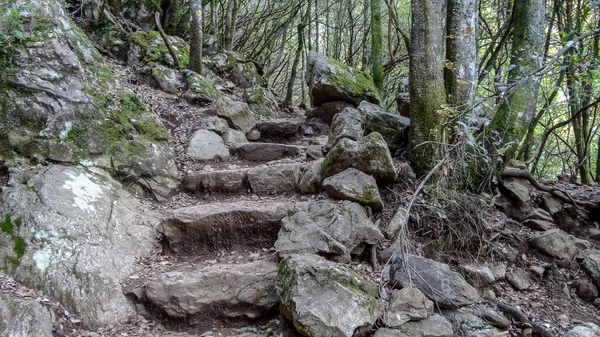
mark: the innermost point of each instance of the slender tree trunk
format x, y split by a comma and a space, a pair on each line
196, 36
512, 119
427, 93
377, 41
327, 28
317, 26
461, 52
365, 51
290, 86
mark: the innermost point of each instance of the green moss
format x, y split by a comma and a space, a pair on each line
358, 82
367, 196
8, 226
155, 51
150, 128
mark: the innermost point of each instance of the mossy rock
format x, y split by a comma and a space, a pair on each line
150, 48
200, 88
330, 80
261, 100
168, 79
60, 102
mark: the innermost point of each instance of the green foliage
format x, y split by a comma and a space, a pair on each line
12, 31
9, 227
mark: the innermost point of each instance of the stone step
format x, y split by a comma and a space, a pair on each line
233, 225
266, 152
280, 128
263, 179
191, 293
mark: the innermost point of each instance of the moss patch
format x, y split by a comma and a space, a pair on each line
9, 227
155, 51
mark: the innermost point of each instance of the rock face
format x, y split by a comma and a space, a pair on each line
24, 319
326, 111
329, 80
60, 102
150, 49
435, 279
327, 228
224, 225
200, 88
517, 188
346, 124
559, 244
310, 182
354, 185
434, 326
392, 127
206, 145
407, 304
230, 290
323, 298
261, 100
237, 114
369, 155
591, 264
75, 234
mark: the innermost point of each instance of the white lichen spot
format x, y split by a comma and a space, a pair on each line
42, 258
86, 163
85, 191
65, 133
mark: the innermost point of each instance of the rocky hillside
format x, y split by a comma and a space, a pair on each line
142, 200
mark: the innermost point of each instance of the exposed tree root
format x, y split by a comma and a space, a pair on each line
538, 329
560, 194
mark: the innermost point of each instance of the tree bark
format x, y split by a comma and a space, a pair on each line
377, 41
290, 85
461, 52
514, 115
427, 93
196, 36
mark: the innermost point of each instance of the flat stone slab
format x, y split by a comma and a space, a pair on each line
224, 225
228, 181
354, 185
265, 152
280, 128
275, 178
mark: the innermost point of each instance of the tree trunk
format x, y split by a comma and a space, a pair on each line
377, 41
427, 93
196, 36
461, 52
290, 85
513, 117
365, 51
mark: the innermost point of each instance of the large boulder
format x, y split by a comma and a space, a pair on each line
435, 279
75, 234
226, 290
200, 88
150, 48
237, 114
370, 155
206, 145
261, 100
559, 244
326, 111
466, 324
346, 124
407, 304
24, 319
326, 228
60, 102
236, 68
354, 185
323, 298
168, 79
392, 127
329, 80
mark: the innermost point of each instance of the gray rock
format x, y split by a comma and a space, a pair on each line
310, 182
228, 181
435, 279
552, 205
517, 188
498, 270
323, 298
392, 127
346, 124
253, 135
314, 152
206, 146
215, 124
493, 317
397, 224
227, 225
233, 137
237, 114
369, 155
168, 79
354, 185
265, 152
275, 178
591, 264
261, 100
540, 214
477, 275
280, 128
519, 279
24, 319
434, 326
585, 289
558, 244
465, 324
584, 330
75, 235
323, 227
328, 110
228, 290
539, 225
329, 80
245, 75
200, 88
407, 304
60, 96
